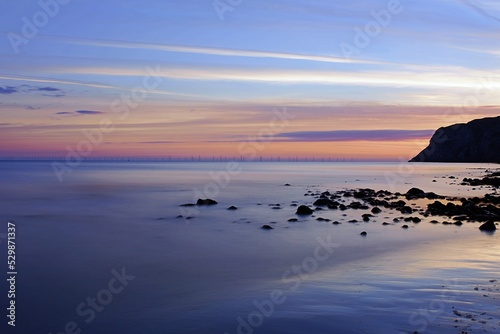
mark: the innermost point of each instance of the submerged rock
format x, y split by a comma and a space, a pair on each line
266, 227
206, 201
304, 210
488, 226
232, 208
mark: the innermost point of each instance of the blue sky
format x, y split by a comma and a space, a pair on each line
339, 66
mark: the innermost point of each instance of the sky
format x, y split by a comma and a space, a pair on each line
360, 79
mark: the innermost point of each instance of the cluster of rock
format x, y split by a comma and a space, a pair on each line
477, 209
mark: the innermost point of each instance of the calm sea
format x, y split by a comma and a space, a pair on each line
106, 251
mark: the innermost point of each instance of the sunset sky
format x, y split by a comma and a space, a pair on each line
361, 79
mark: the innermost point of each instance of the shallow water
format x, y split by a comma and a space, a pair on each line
218, 272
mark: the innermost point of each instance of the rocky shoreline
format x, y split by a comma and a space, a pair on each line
433, 207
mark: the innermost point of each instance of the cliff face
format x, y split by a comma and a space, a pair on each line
476, 141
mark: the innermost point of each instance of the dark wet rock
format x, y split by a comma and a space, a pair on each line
385, 223
376, 210
187, 204
415, 193
206, 201
294, 204
334, 206
342, 207
324, 202
321, 219
431, 195
304, 210
446, 223
458, 223
353, 221
406, 210
396, 220
474, 209
336, 223
476, 141
232, 208
416, 220
397, 204
180, 216
293, 220
404, 226
434, 222
366, 217
287, 184
358, 206
363, 233
488, 226
486, 181
267, 227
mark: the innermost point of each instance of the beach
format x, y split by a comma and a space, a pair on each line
207, 269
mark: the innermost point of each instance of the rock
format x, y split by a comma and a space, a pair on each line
363, 233
488, 226
416, 220
287, 184
366, 217
385, 223
415, 193
476, 141
232, 208
404, 226
292, 220
266, 227
336, 223
376, 210
324, 202
206, 201
187, 204
406, 210
304, 210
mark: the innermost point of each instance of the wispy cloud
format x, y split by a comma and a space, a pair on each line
52, 91
483, 8
8, 90
432, 77
212, 51
80, 112
356, 135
